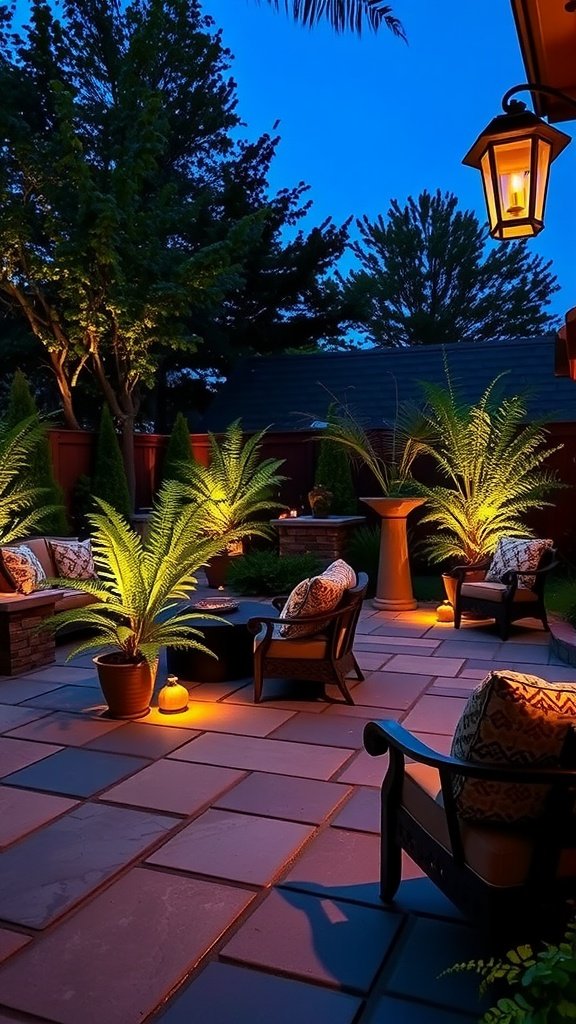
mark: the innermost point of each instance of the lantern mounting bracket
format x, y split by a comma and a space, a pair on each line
512, 106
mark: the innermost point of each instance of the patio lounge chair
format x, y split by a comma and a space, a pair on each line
496, 875
325, 656
516, 595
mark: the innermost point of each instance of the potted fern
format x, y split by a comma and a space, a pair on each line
231, 494
137, 590
491, 461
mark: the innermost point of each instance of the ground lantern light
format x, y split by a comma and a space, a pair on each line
513, 154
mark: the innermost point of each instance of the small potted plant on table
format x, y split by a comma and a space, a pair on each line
137, 592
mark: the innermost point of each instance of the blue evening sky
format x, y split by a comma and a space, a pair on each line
366, 120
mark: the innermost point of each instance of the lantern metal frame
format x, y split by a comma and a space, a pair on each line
517, 124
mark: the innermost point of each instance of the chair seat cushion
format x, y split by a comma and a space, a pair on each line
314, 647
316, 595
517, 720
519, 553
499, 855
494, 592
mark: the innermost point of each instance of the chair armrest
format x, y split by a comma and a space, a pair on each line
460, 571
379, 736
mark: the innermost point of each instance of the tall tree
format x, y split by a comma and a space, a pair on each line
116, 126
343, 15
428, 275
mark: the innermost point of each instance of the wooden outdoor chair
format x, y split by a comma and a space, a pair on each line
495, 874
324, 657
507, 600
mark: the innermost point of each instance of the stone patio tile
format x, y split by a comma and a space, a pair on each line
65, 729
213, 691
80, 699
51, 870
338, 944
279, 796
10, 942
469, 632
434, 946
400, 639
13, 716
365, 770
455, 683
284, 695
304, 760
22, 811
387, 632
553, 673
174, 786
387, 1010
341, 865
117, 958
455, 649
477, 674
13, 691
370, 660
361, 813
224, 993
76, 772
236, 719
536, 654
418, 895
16, 754
534, 636
136, 738
243, 848
391, 689
435, 740
428, 666
327, 730
64, 675
434, 714
360, 711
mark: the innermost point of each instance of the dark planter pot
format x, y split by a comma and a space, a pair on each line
217, 569
127, 688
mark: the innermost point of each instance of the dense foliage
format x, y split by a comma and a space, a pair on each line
334, 472
264, 572
428, 275
178, 453
39, 470
109, 479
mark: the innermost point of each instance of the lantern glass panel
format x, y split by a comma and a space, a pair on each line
489, 190
512, 161
542, 172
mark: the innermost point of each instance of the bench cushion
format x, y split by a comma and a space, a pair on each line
23, 568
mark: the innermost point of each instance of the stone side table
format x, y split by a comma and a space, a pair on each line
327, 538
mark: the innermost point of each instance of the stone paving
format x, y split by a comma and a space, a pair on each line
221, 865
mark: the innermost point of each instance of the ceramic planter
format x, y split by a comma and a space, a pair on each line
127, 687
394, 586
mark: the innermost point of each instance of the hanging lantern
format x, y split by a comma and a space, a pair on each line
173, 697
514, 153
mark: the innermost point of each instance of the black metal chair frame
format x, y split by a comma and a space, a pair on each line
486, 904
338, 626
507, 610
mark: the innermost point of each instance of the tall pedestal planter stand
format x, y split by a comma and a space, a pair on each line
394, 587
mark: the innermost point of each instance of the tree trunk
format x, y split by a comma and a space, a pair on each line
128, 455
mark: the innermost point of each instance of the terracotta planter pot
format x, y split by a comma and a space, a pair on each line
394, 587
127, 688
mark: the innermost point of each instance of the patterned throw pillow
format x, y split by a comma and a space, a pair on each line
316, 595
73, 559
520, 553
517, 720
23, 568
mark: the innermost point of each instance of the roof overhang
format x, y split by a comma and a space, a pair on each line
547, 36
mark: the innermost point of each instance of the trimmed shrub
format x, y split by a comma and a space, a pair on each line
333, 472
264, 572
363, 553
109, 481
22, 406
178, 452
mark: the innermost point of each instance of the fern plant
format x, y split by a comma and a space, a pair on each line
21, 509
544, 982
231, 494
492, 463
141, 582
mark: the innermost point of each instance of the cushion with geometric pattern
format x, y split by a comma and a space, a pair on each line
73, 559
517, 720
519, 553
22, 568
313, 596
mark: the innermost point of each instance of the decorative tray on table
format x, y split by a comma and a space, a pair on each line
216, 604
